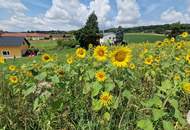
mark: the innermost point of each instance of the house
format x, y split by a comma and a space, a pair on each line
13, 47
62, 36
29, 36
108, 38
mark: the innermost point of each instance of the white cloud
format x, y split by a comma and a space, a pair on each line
128, 12
171, 16
15, 7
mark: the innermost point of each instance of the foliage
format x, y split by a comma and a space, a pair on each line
66, 43
119, 35
89, 93
89, 33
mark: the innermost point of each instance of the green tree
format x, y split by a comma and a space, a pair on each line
89, 33
119, 35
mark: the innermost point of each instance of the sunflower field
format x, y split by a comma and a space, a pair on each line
136, 87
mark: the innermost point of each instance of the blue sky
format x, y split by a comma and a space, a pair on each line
23, 15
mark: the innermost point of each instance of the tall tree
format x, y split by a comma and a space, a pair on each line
119, 35
89, 33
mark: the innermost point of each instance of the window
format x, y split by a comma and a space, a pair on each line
5, 53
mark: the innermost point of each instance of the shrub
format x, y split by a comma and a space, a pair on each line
68, 44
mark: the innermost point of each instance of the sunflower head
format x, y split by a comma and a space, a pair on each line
81, 53
186, 87
13, 79
157, 59
187, 58
12, 68
121, 56
2, 60
148, 60
184, 34
132, 66
70, 60
172, 39
46, 58
105, 98
100, 53
100, 76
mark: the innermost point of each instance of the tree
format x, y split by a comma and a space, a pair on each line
119, 35
175, 30
89, 34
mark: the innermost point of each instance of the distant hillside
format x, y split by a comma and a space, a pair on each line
160, 29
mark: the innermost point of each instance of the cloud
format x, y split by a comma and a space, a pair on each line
15, 7
171, 15
128, 12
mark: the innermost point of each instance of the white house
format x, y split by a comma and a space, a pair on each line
108, 39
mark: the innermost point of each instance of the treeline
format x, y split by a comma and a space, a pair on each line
160, 29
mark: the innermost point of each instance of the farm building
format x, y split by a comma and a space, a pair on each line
13, 47
29, 36
108, 37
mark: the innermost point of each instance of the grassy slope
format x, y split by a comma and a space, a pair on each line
142, 37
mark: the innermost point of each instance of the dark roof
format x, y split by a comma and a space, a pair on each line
12, 41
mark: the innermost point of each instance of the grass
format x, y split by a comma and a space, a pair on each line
49, 47
142, 37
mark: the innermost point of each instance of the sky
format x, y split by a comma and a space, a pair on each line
27, 15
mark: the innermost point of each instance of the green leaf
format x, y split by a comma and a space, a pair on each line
96, 105
96, 89
154, 101
166, 85
41, 76
168, 125
127, 94
55, 79
109, 87
115, 103
106, 116
177, 114
86, 88
157, 114
29, 90
145, 124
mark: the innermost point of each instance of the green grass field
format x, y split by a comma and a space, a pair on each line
142, 37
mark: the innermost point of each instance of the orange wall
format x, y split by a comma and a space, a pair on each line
14, 50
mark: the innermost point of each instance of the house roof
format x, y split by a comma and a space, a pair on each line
17, 34
12, 41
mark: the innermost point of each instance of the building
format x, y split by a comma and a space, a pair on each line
28, 36
13, 47
60, 36
108, 38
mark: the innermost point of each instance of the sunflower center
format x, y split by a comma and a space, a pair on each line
101, 52
120, 56
14, 78
81, 52
105, 98
46, 57
101, 76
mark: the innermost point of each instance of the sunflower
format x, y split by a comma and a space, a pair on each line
46, 58
157, 59
100, 53
132, 66
100, 76
105, 98
177, 77
172, 39
70, 60
179, 45
184, 34
188, 58
186, 87
13, 79
159, 44
12, 68
2, 60
148, 60
121, 56
81, 53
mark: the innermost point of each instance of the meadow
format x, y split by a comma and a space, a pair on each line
141, 86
